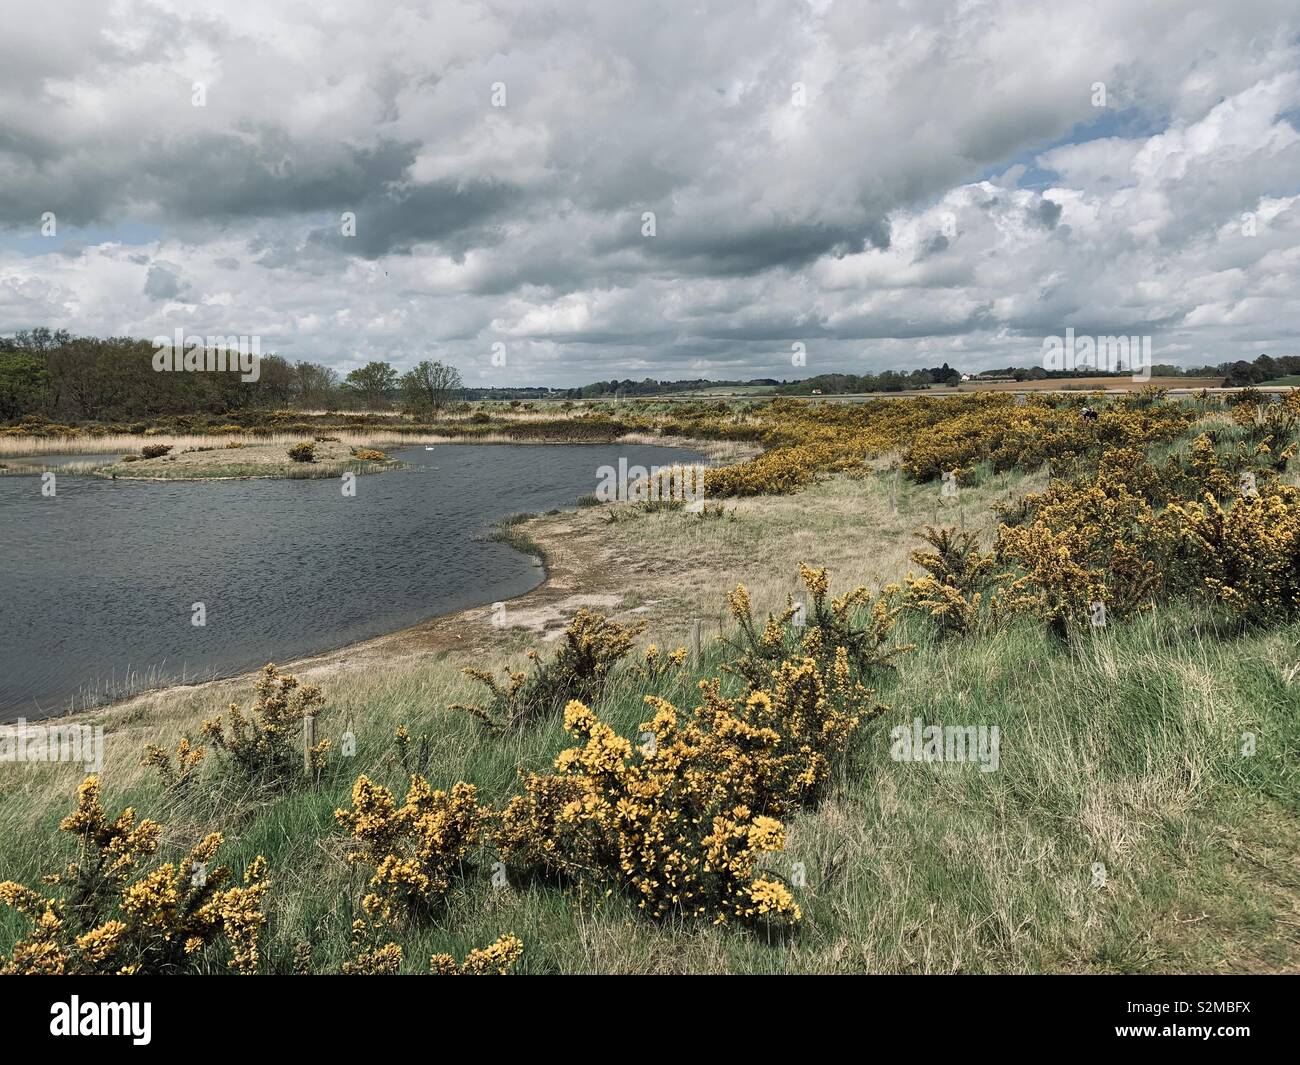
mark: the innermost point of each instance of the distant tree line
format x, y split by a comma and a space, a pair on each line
649, 386
831, 384
1265, 368
53, 374
1040, 373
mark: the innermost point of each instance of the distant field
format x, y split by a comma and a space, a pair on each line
1076, 384
722, 390
1292, 380
1089, 384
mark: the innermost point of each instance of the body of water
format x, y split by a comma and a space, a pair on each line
98, 584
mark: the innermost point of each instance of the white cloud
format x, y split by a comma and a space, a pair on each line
860, 222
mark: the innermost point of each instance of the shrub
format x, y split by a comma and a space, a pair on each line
1011, 436
368, 454
183, 773
304, 452
264, 744
1086, 541
819, 631
154, 451
1245, 556
607, 816
371, 958
413, 760
414, 849
593, 645
112, 916
952, 592
496, 959
656, 665
680, 822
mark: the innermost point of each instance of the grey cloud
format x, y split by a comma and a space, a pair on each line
162, 282
775, 222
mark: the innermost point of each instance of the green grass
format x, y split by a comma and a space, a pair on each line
1123, 750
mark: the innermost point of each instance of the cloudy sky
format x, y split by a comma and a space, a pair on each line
645, 188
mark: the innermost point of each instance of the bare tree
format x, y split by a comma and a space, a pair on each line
315, 385
430, 387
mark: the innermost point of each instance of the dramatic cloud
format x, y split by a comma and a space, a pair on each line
617, 190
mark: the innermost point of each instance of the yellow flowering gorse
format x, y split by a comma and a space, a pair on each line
115, 917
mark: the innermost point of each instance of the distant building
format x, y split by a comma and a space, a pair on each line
816, 391
965, 377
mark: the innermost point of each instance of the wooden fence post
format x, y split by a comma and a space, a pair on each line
308, 741
695, 641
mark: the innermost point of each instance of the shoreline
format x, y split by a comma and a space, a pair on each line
570, 579
716, 452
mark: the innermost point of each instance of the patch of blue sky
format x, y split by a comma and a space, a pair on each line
69, 238
1126, 123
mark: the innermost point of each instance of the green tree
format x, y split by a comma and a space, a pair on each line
25, 385
373, 385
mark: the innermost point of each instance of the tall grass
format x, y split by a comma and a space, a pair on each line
1122, 752
1125, 829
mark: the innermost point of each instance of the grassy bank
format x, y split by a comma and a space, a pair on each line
1124, 830
319, 458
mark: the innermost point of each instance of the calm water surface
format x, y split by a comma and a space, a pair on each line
97, 584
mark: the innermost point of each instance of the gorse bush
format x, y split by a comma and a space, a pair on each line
1025, 436
264, 743
655, 665
304, 452
184, 772
1088, 541
154, 451
952, 592
113, 915
496, 959
593, 645
1214, 523
681, 821
1263, 420
1245, 555
856, 622
414, 760
413, 849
